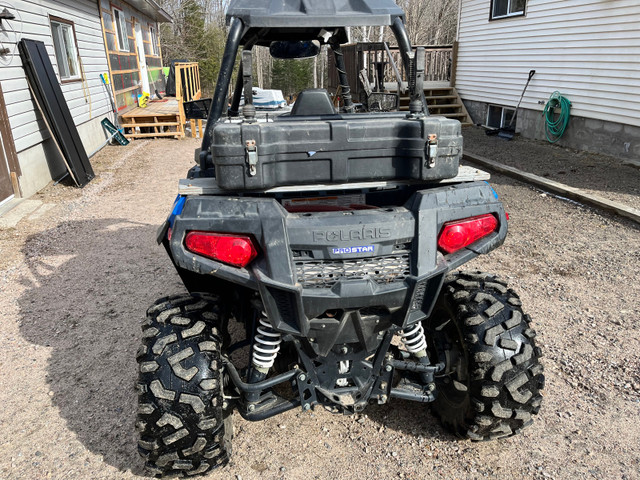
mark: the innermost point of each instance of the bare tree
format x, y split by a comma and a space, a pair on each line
431, 22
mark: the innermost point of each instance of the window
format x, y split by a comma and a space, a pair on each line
64, 45
507, 8
154, 41
121, 30
499, 117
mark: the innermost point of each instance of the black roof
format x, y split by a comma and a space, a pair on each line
314, 13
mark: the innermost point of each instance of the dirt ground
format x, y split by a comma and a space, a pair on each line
77, 278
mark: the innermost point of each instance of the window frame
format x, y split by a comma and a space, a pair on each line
118, 22
504, 113
507, 15
153, 40
63, 21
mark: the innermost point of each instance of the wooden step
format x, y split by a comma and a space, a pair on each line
438, 89
159, 124
156, 134
439, 106
432, 97
441, 97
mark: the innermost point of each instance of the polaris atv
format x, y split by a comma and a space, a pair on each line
318, 248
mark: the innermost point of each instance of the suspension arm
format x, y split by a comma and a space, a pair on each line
259, 386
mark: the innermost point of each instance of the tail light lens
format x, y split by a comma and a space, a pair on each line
235, 250
461, 233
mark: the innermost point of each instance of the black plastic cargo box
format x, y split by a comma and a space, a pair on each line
298, 150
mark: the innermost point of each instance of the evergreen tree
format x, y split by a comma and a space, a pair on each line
292, 76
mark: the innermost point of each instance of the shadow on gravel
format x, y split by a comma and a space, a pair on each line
410, 418
89, 286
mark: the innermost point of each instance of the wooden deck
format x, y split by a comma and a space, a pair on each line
166, 117
160, 118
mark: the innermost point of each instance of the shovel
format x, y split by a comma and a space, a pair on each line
507, 133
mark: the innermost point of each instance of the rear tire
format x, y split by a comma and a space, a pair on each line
491, 384
184, 427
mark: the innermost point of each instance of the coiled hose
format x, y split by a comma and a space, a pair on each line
555, 127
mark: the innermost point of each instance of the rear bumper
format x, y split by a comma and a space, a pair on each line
290, 243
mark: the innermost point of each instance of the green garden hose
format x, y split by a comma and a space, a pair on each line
555, 127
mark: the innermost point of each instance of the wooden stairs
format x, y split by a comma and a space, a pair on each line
443, 101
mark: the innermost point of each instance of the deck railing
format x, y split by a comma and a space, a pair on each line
188, 81
188, 86
439, 64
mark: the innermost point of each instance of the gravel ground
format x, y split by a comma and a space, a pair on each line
77, 279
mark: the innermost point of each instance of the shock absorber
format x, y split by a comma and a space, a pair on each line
414, 340
266, 345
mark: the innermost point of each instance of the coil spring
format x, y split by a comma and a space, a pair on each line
414, 339
267, 344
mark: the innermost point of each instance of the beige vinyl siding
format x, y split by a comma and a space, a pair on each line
589, 50
86, 101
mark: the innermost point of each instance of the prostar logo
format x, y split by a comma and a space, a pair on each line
359, 249
350, 234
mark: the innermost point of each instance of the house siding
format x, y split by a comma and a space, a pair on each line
589, 50
87, 100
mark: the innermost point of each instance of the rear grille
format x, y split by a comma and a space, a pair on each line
325, 273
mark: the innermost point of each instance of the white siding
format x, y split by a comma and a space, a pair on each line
589, 50
86, 99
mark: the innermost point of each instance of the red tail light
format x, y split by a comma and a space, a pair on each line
461, 233
236, 250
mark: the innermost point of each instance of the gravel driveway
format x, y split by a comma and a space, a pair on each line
77, 279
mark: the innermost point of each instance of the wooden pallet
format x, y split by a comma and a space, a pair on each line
158, 119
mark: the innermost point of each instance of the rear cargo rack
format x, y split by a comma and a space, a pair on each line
209, 186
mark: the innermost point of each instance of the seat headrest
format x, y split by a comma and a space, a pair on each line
313, 101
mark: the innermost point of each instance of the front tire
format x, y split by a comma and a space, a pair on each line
491, 384
184, 427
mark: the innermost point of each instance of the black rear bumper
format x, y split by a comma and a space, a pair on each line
357, 262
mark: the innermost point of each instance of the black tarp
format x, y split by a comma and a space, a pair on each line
170, 88
53, 106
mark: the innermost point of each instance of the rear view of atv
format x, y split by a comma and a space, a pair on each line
319, 248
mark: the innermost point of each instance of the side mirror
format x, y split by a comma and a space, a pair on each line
287, 50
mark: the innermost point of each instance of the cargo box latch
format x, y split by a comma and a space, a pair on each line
251, 155
432, 143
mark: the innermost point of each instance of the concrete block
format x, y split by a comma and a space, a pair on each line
591, 123
612, 127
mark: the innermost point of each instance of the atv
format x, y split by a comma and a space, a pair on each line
320, 250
